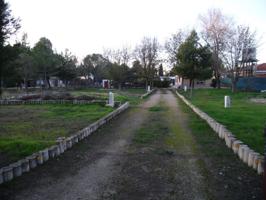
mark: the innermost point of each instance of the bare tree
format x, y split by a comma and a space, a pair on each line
172, 45
236, 55
216, 30
147, 54
119, 56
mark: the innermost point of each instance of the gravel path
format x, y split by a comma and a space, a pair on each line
112, 165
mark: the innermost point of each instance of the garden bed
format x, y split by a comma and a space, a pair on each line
28, 128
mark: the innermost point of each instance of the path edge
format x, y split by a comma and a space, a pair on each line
246, 154
147, 94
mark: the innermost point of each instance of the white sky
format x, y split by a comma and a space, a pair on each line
88, 26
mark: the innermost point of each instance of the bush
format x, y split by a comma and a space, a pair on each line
161, 84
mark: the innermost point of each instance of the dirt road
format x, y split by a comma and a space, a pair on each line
149, 152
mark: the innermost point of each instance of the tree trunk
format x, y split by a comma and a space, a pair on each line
218, 81
191, 89
1, 85
48, 82
190, 83
233, 85
26, 85
146, 84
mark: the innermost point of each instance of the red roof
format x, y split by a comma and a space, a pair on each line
261, 66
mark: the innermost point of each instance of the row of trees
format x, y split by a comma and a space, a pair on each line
19, 63
218, 48
227, 42
23, 63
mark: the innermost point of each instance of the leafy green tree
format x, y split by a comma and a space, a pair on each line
119, 74
45, 59
195, 60
66, 67
8, 26
97, 66
25, 63
10, 74
135, 74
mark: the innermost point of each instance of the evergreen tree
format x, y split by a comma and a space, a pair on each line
195, 60
8, 26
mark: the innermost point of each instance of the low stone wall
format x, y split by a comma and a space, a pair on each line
62, 144
245, 153
147, 94
26, 102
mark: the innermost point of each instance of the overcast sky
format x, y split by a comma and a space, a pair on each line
89, 26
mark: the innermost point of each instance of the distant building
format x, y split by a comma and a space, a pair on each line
180, 82
106, 84
260, 70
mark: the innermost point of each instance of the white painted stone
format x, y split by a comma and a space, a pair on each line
229, 141
25, 165
32, 160
52, 151
7, 173
256, 161
45, 155
241, 151
221, 131
149, 88
185, 88
251, 156
111, 101
260, 166
17, 170
68, 143
57, 150
227, 102
39, 158
246, 154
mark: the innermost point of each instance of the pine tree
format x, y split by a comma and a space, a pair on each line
8, 26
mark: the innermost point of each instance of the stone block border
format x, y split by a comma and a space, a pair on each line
147, 94
245, 153
26, 102
62, 144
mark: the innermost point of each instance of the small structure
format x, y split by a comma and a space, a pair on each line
261, 70
106, 84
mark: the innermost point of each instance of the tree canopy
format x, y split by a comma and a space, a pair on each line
194, 59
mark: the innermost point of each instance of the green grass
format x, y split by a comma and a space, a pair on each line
245, 119
27, 128
153, 129
157, 108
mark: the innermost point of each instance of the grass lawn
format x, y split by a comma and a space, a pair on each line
245, 119
27, 128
